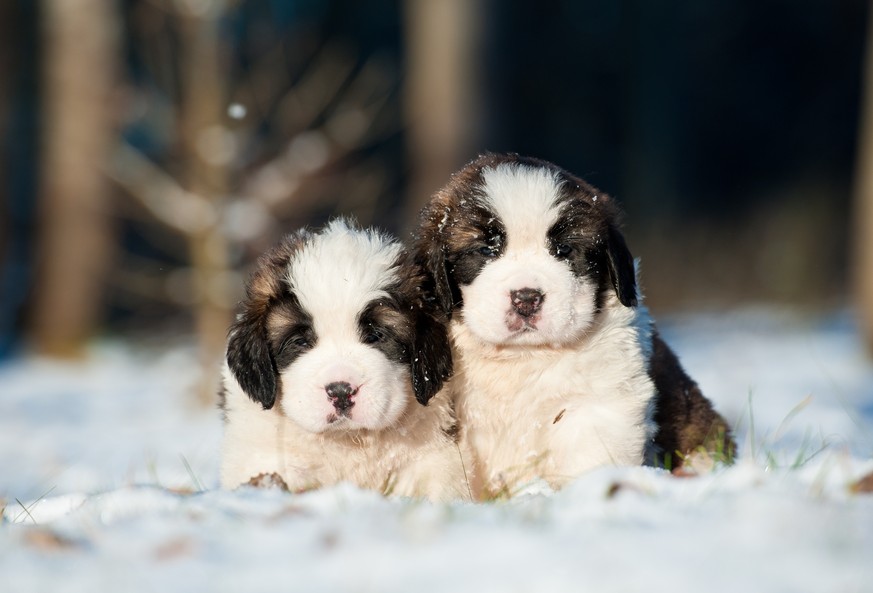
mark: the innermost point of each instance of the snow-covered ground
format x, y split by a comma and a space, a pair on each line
108, 473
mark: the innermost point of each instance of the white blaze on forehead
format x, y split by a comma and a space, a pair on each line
338, 272
524, 199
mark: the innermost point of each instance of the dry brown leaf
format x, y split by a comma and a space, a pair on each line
174, 549
863, 486
49, 541
617, 487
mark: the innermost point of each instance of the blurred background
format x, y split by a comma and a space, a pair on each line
151, 149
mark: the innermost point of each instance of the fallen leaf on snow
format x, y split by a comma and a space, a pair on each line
863, 486
617, 487
174, 548
49, 541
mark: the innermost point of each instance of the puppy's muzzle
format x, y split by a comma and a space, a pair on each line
340, 394
526, 301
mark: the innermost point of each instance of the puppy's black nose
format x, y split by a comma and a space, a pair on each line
526, 301
340, 394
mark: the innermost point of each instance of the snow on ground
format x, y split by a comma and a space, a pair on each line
109, 472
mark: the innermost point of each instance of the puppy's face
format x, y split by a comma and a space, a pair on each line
334, 329
524, 251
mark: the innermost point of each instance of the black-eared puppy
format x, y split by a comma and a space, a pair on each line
334, 370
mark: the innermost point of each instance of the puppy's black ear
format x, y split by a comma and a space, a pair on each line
429, 251
621, 267
250, 358
249, 355
431, 357
434, 263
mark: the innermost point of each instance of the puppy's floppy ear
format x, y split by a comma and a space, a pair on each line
433, 261
250, 358
249, 355
621, 267
431, 357
429, 249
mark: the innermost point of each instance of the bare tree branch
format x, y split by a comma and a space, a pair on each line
158, 192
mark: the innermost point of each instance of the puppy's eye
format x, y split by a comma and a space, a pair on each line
488, 251
562, 250
373, 335
299, 341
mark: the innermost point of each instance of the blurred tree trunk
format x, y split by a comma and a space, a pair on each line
204, 102
863, 215
80, 47
441, 94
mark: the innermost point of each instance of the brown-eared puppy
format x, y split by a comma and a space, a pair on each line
334, 369
558, 367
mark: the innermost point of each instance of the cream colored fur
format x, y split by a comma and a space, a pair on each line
555, 412
571, 391
414, 457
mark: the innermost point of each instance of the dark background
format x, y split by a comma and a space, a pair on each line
726, 129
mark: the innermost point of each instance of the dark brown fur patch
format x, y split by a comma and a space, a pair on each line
687, 422
267, 281
431, 353
268, 481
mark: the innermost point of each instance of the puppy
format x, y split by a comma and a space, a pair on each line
325, 362
558, 367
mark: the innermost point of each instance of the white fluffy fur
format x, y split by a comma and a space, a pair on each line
523, 199
388, 441
338, 273
568, 396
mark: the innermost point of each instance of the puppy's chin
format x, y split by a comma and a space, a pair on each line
382, 391
497, 331
563, 318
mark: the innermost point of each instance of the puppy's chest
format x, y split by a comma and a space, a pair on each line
551, 419
374, 460
524, 403
364, 462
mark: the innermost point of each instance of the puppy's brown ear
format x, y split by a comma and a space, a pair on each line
431, 357
621, 267
250, 358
